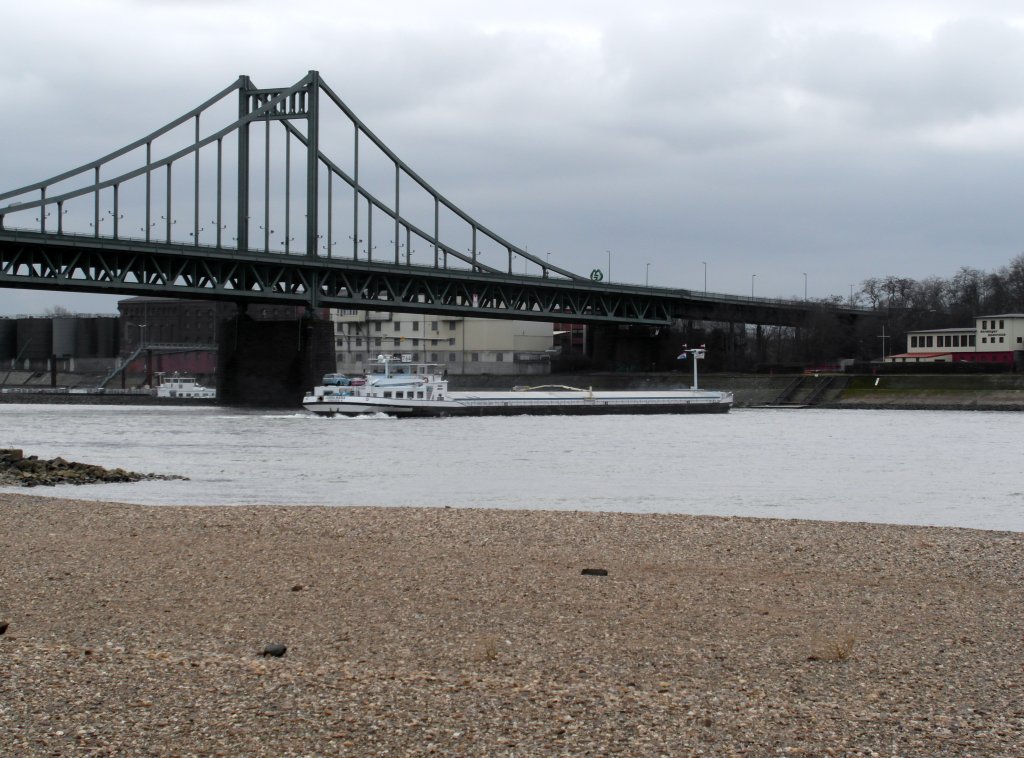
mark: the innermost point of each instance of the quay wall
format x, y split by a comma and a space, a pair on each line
910, 392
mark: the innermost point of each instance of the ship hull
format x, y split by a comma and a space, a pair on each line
520, 404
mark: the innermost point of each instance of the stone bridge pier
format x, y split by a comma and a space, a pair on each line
271, 364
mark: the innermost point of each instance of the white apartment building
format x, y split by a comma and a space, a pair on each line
461, 345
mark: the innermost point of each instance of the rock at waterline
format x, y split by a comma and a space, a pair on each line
17, 470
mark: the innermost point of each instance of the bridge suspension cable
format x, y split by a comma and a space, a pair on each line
300, 109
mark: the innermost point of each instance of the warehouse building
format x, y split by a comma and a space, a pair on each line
461, 345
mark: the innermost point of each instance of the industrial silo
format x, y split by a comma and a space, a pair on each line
107, 339
64, 336
35, 339
86, 336
8, 339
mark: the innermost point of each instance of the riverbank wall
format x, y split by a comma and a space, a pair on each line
909, 392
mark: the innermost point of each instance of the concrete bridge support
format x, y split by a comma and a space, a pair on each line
272, 363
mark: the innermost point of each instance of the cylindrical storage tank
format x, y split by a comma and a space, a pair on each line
64, 336
35, 339
107, 342
85, 338
8, 338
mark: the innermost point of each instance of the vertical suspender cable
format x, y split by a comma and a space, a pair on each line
266, 186
169, 202
95, 204
398, 177
149, 188
195, 217
220, 178
355, 196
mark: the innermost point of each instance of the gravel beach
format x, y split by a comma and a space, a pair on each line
140, 631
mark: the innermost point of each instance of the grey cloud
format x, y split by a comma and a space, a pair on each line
970, 67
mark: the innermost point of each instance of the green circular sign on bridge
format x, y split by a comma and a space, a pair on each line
597, 275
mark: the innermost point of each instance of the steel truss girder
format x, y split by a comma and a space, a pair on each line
86, 264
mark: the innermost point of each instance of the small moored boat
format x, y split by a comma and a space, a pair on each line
183, 386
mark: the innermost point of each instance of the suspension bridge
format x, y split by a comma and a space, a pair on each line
284, 195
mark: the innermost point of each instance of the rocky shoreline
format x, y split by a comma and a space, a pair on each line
408, 631
20, 471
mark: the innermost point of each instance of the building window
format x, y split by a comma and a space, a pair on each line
433, 357
971, 341
415, 326
398, 326
984, 340
984, 324
359, 357
359, 341
376, 341
913, 341
415, 356
1001, 326
415, 343
928, 339
956, 340
451, 326
451, 341
1000, 340
500, 357
451, 357
1019, 340
376, 326
433, 326
474, 357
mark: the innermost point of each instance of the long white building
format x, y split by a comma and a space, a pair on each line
462, 345
993, 339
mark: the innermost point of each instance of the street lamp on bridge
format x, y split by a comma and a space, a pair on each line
647, 276
752, 278
140, 327
705, 276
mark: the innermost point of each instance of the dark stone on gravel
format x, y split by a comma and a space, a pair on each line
3, 627
594, 572
17, 470
275, 651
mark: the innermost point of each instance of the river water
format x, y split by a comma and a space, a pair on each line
950, 468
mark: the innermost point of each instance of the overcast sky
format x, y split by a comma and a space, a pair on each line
768, 139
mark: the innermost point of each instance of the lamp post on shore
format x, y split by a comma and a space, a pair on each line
805, 286
752, 278
705, 276
140, 327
